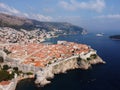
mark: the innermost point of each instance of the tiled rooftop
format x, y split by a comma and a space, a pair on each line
41, 54
4, 83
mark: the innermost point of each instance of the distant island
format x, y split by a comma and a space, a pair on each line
115, 37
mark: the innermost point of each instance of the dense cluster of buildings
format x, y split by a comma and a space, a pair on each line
10, 35
33, 56
29, 55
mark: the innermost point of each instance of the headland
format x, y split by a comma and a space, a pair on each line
43, 60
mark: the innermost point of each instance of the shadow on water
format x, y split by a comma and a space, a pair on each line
26, 84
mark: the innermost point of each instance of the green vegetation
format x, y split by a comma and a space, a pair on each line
5, 67
1, 60
7, 73
79, 59
4, 75
15, 68
6, 51
49, 62
88, 59
29, 73
93, 56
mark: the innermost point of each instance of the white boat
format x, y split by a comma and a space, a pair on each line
100, 34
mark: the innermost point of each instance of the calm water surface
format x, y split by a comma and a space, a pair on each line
100, 77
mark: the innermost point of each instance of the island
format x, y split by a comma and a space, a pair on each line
115, 37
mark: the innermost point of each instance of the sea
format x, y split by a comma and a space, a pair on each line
99, 77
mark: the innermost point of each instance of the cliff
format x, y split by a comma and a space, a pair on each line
63, 66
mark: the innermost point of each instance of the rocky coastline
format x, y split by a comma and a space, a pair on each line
81, 60
71, 64
75, 62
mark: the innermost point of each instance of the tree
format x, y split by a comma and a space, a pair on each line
79, 59
15, 68
29, 73
49, 62
6, 51
94, 56
5, 67
1, 59
4, 75
88, 59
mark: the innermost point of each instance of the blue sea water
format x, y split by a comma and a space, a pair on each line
99, 77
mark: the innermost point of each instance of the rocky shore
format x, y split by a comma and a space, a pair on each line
77, 56
61, 67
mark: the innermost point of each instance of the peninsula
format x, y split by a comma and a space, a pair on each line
45, 60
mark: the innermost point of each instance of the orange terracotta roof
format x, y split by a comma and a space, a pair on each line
46, 52
39, 64
4, 83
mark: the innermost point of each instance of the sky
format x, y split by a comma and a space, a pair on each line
89, 14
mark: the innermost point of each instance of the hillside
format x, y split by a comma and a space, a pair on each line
30, 24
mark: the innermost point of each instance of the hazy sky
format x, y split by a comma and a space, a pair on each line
90, 14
